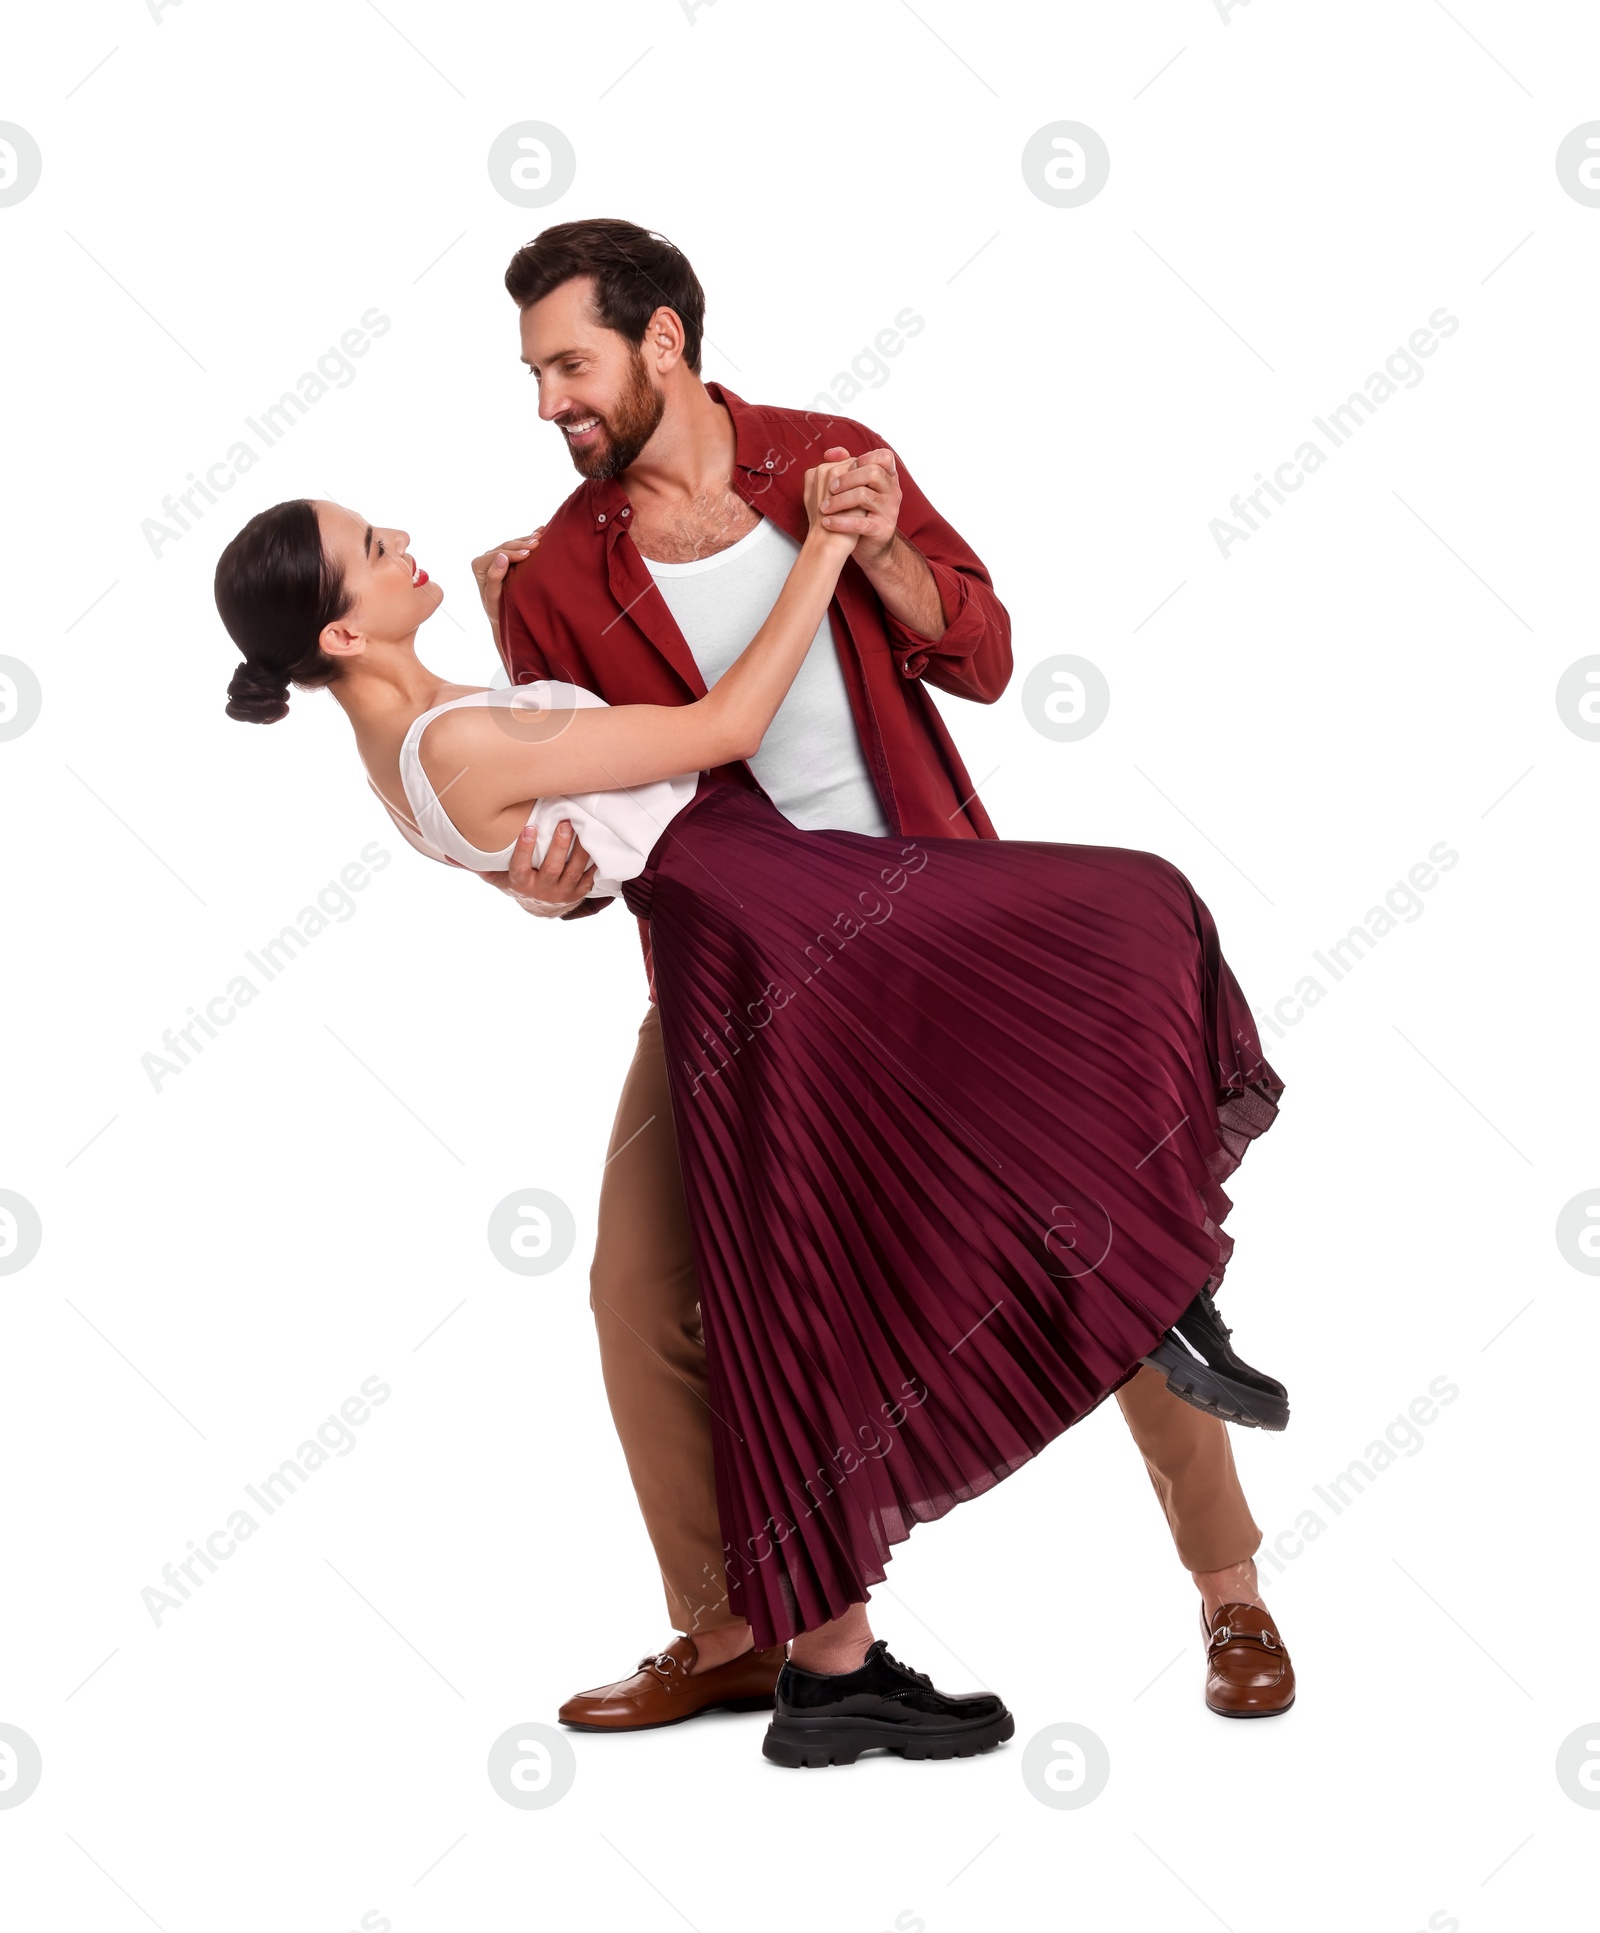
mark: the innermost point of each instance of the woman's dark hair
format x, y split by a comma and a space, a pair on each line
635, 273
275, 591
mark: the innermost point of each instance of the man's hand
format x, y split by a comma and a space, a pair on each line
555, 887
864, 502
490, 570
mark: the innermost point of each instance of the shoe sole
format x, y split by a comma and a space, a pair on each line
841, 1741
757, 1704
1217, 1394
1267, 1711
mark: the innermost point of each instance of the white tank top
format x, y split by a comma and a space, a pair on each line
617, 829
810, 764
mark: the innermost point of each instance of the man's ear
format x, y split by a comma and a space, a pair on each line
663, 340
337, 640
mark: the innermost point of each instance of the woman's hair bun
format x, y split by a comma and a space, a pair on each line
277, 592
258, 696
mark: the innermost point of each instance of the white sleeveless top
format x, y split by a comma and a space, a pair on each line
617, 829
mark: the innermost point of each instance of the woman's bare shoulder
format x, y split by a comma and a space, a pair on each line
506, 720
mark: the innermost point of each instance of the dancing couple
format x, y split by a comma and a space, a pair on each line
920, 1156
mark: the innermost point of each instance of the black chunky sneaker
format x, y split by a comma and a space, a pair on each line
1200, 1366
832, 1719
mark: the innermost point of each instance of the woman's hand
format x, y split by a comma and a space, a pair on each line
490, 571
866, 498
837, 542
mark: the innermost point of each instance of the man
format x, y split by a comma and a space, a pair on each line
646, 583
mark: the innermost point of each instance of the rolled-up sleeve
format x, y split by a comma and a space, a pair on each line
973, 658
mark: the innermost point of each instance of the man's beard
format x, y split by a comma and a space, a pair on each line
626, 430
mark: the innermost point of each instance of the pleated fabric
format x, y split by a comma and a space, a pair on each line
953, 1117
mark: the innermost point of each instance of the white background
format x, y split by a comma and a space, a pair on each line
225, 1260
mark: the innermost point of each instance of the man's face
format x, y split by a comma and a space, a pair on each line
593, 384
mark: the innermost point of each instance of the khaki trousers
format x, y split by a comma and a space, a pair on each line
652, 1355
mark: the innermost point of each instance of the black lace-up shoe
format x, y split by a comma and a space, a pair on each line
1201, 1367
832, 1719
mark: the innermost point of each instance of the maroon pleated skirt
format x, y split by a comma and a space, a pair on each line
953, 1117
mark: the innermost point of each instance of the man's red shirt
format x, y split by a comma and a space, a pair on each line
584, 609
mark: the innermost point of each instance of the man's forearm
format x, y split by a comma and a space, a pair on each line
905, 587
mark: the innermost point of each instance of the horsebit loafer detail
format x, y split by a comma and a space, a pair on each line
1248, 1673
666, 1689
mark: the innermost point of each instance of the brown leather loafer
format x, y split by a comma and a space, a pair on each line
1248, 1673
666, 1689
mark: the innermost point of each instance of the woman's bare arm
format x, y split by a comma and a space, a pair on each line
497, 760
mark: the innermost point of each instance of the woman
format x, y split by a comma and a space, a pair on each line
953, 1115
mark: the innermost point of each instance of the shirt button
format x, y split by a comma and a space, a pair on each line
625, 513
601, 518
769, 463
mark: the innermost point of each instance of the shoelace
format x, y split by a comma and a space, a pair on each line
1209, 1319
921, 1677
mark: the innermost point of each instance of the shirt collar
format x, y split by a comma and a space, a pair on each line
749, 450
607, 505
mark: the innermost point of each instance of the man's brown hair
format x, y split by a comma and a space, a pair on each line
635, 273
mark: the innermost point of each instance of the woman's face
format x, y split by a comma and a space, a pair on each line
390, 595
